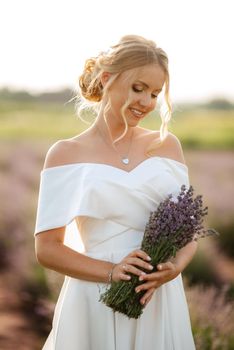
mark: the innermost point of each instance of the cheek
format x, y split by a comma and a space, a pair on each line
119, 97
153, 104
115, 101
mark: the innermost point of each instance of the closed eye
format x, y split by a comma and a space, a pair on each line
139, 89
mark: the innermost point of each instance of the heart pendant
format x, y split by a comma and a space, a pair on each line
125, 160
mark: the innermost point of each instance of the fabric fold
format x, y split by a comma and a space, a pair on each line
88, 190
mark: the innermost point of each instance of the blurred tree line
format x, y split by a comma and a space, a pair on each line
60, 96
64, 95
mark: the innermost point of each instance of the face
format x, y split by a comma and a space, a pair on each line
142, 87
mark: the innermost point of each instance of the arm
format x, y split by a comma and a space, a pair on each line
184, 256
53, 254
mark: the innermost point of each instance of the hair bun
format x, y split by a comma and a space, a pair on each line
91, 88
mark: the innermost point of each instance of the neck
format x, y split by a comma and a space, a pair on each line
114, 129
112, 132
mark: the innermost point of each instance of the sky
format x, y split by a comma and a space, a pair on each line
44, 43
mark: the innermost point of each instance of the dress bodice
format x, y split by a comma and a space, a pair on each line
106, 201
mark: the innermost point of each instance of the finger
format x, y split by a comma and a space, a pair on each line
147, 286
124, 277
140, 263
118, 274
132, 269
155, 276
147, 296
141, 254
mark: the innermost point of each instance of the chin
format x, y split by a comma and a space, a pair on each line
132, 123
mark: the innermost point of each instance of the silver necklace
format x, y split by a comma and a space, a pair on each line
124, 159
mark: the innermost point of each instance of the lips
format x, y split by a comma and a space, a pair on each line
137, 112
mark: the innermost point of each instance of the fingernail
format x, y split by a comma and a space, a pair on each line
143, 273
148, 258
128, 277
137, 290
159, 267
151, 267
141, 278
143, 302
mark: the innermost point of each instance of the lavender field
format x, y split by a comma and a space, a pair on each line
28, 292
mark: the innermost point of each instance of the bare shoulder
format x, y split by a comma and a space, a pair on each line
175, 147
171, 147
60, 153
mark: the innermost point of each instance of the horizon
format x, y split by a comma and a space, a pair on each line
39, 93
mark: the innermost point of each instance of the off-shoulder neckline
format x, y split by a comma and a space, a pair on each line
80, 164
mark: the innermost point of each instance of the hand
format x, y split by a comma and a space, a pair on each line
166, 272
131, 264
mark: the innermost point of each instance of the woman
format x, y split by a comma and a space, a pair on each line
108, 179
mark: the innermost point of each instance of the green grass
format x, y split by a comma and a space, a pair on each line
205, 128
195, 128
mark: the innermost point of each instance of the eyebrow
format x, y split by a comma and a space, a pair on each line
147, 86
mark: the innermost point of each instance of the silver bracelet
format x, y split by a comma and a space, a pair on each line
110, 273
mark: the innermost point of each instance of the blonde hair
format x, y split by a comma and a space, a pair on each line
132, 51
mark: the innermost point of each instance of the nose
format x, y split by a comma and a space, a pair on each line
145, 100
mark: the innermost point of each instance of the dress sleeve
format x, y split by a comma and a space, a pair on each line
59, 197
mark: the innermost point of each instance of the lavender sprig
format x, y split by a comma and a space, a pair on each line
174, 224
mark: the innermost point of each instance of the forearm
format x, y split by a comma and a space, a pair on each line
185, 255
67, 261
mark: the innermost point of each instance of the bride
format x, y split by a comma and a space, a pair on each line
108, 179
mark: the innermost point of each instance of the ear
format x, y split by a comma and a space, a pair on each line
104, 78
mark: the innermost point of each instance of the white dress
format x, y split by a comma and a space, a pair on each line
111, 207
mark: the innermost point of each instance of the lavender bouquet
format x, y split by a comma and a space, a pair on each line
174, 224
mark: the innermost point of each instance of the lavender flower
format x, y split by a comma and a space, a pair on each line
175, 223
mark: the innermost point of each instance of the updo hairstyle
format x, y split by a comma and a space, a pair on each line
132, 51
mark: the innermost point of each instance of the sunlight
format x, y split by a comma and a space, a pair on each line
51, 56
72, 237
